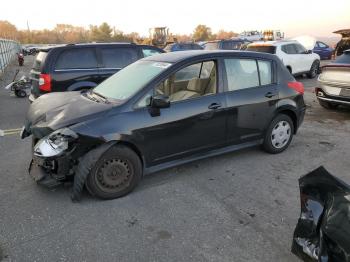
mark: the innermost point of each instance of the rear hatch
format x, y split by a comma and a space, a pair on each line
335, 79
36, 71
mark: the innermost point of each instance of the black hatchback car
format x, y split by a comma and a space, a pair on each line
82, 66
159, 112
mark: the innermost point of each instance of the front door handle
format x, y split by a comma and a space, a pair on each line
214, 106
269, 94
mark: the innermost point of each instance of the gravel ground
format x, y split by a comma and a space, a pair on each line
241, 206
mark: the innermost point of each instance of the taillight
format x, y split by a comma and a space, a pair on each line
297, 86
45, 82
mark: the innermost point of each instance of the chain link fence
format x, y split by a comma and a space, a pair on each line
8, 50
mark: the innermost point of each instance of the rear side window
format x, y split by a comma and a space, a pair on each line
39, 60
265, 70
81, 58
300, 49
289, 49
262, 49
241, 73
118, 57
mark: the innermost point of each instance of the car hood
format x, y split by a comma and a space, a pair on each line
56, 110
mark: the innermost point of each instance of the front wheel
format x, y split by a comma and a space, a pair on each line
115, 174
279, 134
315, 67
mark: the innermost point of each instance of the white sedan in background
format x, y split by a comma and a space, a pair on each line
294, 56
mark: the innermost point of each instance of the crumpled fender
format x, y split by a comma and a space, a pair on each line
323, 229
86, 163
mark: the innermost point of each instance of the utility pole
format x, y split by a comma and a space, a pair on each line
29, 36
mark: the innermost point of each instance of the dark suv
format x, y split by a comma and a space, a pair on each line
230, 44
159, 112
82, 66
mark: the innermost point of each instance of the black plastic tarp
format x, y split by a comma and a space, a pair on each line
323, 229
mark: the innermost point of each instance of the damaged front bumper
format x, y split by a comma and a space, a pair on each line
53, 159
51, 172
323, 229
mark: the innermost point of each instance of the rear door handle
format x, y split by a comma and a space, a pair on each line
269, 94
214, 106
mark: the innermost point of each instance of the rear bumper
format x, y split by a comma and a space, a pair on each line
301, 116
337, 100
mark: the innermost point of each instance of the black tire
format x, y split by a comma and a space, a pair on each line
115, 174
20, 93
327, 105
268, 145
315, 68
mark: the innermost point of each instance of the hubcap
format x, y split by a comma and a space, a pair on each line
280, 134
114, 175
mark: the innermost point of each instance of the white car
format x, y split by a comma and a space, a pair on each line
294, 56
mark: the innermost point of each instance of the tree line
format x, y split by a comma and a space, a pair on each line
66, 33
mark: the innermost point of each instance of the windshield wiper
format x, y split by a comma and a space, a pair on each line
105, 99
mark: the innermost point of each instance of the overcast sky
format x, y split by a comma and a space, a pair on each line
295, 17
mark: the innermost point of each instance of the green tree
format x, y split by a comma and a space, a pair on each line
202, 33
102, 33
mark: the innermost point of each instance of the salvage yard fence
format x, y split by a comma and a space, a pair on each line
8, 50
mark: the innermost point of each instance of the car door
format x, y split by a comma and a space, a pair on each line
193, 124
251, 93
318, 49
290, 57
115, 58
305, 59
75, 68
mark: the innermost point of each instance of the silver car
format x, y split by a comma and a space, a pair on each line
334, 83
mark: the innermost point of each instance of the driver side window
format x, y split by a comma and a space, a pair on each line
190, 82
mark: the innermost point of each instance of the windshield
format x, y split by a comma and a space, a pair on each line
211, 46
125, 83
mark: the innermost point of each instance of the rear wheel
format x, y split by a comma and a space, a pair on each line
279, 134
115, 174
20, 93
315, 67
327, 105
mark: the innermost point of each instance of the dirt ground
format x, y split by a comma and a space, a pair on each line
241, 206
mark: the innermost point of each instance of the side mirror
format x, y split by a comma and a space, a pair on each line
157, 102
160, 101
309, 51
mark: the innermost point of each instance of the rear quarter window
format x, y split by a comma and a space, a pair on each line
79, 58
262, 49
118, 57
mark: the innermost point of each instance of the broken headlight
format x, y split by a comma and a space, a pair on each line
55, 143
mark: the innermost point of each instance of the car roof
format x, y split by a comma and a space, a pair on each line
175, 57
48, 48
